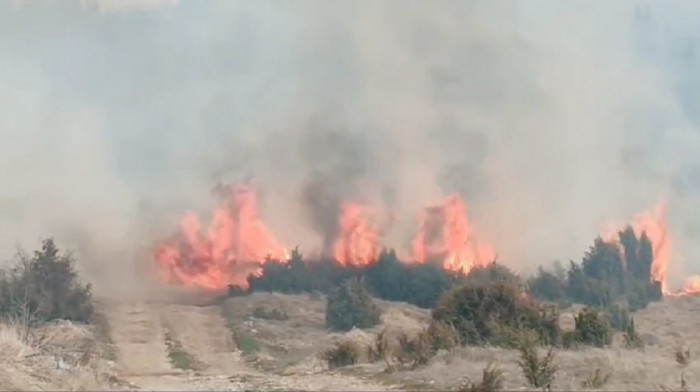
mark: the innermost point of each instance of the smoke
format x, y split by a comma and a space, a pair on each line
107, 6
550, 118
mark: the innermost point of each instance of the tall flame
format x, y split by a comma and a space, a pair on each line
655, 224
232, 248
358, 241
446, 235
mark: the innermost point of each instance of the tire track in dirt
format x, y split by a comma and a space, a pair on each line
138, 332
138, 336
202, 332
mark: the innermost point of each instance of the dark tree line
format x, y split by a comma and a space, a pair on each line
388, 278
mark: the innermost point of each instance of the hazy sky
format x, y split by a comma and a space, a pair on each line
550, 117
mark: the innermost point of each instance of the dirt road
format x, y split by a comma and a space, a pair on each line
176, 346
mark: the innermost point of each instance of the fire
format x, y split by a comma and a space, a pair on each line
446, 235
236, 243
655, 224
233, 247
358, 241
692, 286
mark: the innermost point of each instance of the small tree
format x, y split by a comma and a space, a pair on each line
45, 287
539, 372
548, 286
344, 353
591, 329
619, 316
350, 306
632, 338
491, 381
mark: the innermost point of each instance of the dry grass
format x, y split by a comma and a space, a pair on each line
491, 381
662, 327
56, 357
596, 380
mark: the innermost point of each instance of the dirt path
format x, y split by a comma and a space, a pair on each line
138, 336
144, 335
202, 332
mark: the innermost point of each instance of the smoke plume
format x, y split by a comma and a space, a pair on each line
550, 118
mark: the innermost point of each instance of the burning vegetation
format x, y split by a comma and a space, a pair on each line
358, 243
447, 237
237, 244
234, 246
237, 250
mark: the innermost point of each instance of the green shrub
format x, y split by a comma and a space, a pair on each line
442, 336
390, 279
418, 284
592, 329
350, 306
344, 353
611, 272
415, 351
619, 316
44, 287
632, 338
245, 342
270, 314
296, 276
538, 372
491, 381
178, 357
496, 313
548, 286
493, 272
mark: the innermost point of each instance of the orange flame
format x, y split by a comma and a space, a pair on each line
358, 241
233, 248
655, 224
446, 235
692, 287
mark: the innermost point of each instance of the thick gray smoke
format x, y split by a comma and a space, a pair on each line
551, 118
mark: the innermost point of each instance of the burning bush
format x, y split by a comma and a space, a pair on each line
496, 313
611, 272
350, 306
44, 287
